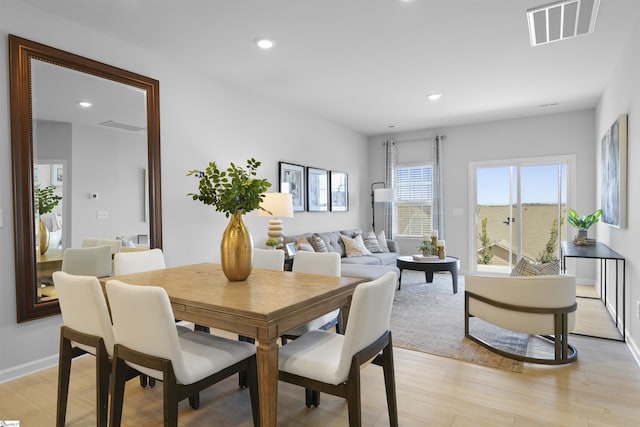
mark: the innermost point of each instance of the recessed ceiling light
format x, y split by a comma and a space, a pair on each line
265, 43
85, 104
434, 96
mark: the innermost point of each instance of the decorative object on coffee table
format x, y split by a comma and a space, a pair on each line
234, 191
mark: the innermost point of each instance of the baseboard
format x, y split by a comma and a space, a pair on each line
19, 371
633, 347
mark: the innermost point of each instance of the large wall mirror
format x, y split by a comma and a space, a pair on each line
85, 138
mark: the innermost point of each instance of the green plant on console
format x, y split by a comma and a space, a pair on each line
46, 199
584, 222
233, 190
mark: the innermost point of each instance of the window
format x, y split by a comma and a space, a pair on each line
414, 199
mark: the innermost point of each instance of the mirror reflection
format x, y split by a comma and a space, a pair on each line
90, 163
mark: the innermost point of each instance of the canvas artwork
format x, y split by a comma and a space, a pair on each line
613, 156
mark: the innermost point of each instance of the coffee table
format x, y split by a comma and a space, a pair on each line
450, 264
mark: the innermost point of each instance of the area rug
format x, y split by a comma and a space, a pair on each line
428, 317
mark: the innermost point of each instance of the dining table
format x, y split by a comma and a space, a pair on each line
264, 306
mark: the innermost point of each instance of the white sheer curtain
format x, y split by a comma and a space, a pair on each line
391, 163
438, 187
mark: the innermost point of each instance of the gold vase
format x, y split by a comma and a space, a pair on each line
44, 237
236, 250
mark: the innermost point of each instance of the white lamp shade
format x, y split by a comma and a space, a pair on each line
384, 195
279, 204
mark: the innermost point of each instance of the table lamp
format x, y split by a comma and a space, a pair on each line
277, 205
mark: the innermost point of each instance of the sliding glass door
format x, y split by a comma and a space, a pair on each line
519, 209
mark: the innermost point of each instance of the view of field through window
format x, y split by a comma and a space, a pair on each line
539, 219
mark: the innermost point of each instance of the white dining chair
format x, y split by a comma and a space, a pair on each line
137, 262
328, 362
86, 328
147, 342
327, 264
268, 259
91, 261
116, 244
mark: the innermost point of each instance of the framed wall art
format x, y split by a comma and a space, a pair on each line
292, 180
317, 190
339, 184
613, 158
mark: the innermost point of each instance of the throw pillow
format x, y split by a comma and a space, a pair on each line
318, 244
526, 268
303, 245
382, 241
354, 247
371, 242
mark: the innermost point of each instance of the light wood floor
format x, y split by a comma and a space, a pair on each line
601, 389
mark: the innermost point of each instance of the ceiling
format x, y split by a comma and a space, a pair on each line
370, 64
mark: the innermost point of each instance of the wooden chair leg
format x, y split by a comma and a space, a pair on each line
353, 398
194, 401
252, 382
242, 375
390, 384
64, 372
118, 378
170, 404
102, 386
201, 328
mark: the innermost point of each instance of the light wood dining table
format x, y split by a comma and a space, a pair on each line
263, 307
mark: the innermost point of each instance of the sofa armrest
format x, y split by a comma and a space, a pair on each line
393, 246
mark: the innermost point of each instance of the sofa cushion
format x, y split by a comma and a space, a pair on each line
304, 245
526, 268
361, 260
371, 242
332, 241
354, 246
318, 244
369, 272
386, 258
382, 241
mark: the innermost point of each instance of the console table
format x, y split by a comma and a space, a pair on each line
604, 253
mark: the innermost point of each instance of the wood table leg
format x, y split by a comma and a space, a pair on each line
267, 355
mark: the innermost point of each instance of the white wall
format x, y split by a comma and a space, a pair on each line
201, 120
622, 96
541, 136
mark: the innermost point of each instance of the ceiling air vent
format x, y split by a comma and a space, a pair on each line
123, 126
562, 20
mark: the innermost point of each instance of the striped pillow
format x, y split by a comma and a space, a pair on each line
526, 268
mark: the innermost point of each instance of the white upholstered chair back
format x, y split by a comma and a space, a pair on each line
137, 262
93, 261
369, 318
326, 263
116, 244
150, 330
84, 308
268, 259
529, 291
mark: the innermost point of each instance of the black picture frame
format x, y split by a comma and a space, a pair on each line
339, 185
317, 190
292, 179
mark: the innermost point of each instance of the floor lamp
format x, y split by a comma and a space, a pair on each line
380, 195
276, 205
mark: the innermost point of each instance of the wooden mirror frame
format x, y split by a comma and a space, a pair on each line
21, 52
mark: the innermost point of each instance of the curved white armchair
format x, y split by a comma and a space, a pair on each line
538, 305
